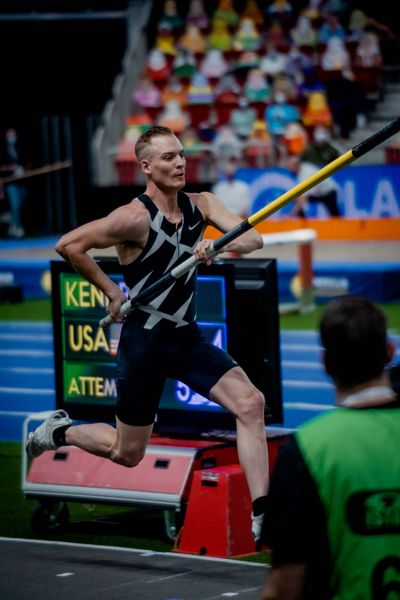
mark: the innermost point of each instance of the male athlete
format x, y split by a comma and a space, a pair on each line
152, 234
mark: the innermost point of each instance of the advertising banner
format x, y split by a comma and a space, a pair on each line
364, 192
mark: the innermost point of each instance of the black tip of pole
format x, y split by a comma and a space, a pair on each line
232, 235
377, 138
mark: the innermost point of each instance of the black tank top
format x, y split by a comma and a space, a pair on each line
167, 246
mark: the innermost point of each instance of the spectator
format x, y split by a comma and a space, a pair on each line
184, 65
200, 90
165, 40
214, 65
282, 82
303, 34
193, 144
197, 15
193, 40
234, 193
226, 13
333, 520
242, 118
273, 61
220, 37
253, 12
368, 53
226, 146
256, 87
317, 110
346, 99
174, 90
331, 27
174, 116
171, 18
246, 37
297, 63
258, 148
336, 57
157, 68
318, 153
295, 140
277, 116
227, 90
358, 21
245, 62
13, 165
146, 94
310, 83
279, 113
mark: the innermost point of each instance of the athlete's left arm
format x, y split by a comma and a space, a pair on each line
217, 215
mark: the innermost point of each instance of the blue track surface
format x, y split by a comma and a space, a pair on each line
27, 375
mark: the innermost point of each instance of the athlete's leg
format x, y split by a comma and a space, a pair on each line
125, 444
139, 388
237, 394
213, 373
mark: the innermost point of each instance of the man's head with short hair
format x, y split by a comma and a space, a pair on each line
143, 143
353, 332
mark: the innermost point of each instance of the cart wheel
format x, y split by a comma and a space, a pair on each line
173, 521
50, 517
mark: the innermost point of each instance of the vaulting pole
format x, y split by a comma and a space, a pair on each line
298, 190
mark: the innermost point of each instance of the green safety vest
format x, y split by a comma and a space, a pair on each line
353, 456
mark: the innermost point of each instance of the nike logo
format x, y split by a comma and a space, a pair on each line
191, 227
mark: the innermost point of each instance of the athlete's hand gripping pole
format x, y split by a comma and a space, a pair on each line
298, 190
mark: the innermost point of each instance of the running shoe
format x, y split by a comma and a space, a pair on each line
256, 526
41, 439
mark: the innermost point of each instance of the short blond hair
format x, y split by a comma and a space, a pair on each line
145, 139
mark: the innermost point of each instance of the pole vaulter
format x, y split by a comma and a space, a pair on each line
217, 245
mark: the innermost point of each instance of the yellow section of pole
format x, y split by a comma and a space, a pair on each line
302, 187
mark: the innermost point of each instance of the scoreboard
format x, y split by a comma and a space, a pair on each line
87, 351
237, 310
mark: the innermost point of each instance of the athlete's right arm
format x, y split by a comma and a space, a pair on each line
119, 226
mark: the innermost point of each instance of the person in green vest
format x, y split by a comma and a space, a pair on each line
333, 514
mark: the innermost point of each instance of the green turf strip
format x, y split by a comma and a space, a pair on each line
40, 310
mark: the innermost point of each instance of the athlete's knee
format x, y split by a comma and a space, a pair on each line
252, 406
128, 458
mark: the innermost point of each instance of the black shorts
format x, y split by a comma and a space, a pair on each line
147, 357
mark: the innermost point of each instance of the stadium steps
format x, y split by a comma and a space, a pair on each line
386, 110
